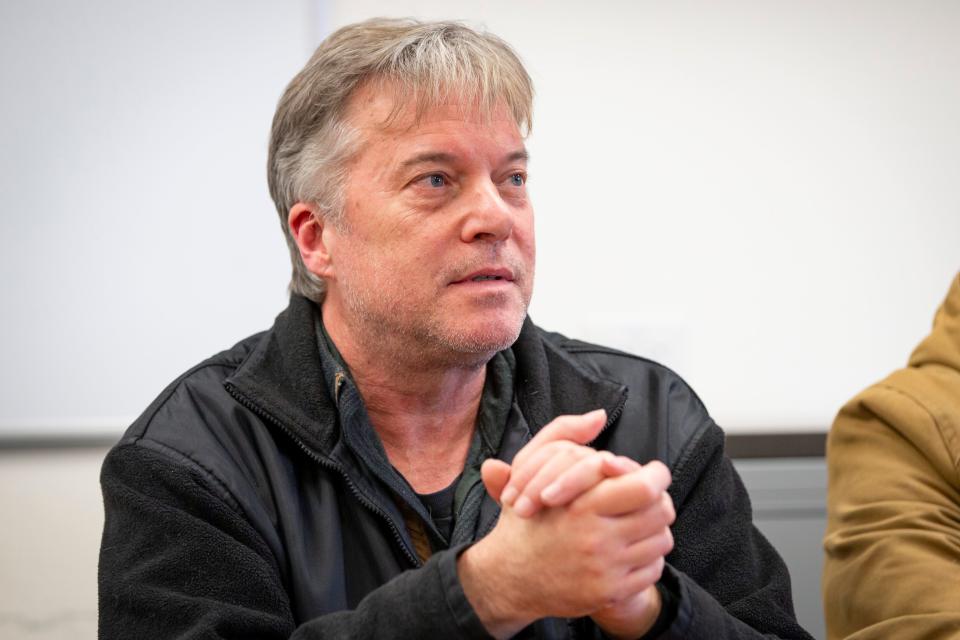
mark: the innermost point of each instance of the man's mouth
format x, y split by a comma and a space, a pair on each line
491, 274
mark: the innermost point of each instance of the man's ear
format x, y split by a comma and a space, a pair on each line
307, 228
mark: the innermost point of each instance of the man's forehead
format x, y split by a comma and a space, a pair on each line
402, 136
386, 106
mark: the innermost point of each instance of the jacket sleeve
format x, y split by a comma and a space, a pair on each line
179, 560
893, 517
730, 581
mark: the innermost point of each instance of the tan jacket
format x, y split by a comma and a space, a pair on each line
893, 528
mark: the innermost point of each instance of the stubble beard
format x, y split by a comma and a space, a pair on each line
420, 336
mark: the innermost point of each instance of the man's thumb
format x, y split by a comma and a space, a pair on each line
495, 474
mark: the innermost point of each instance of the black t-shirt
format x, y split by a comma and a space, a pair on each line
440, 507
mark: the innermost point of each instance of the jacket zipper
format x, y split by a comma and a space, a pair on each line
611, 418
331, 465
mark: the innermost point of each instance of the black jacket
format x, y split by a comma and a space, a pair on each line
234, 509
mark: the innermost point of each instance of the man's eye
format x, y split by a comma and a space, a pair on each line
436, 180
518, 180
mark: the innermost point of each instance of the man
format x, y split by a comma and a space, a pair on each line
893, 527
342, 474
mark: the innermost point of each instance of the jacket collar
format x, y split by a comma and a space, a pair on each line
551, 383
283, 379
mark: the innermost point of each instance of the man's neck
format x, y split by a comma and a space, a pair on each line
425, 413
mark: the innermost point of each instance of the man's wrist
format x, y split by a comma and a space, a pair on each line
669, 601
636, 623
468, 623
488, 592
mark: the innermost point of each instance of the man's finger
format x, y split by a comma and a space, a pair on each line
580, 429
642, 577
495, 474
577, 428
579, 478
643, 523
649, 549
547, 464
614, 466
630, 492
557, 455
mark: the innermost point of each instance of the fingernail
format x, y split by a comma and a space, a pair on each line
597, 413
524, 506
508, 496
548, 494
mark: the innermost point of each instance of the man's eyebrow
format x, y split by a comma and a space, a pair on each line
427, 157
443, 157
521, 154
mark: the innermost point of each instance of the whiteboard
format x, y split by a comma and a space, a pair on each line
761, 195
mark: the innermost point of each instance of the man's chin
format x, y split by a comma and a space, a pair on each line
484, 339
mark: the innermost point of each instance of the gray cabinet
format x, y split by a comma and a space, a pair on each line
789, 507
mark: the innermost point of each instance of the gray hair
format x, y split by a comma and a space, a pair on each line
310, 143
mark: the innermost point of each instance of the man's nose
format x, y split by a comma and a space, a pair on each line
487, 217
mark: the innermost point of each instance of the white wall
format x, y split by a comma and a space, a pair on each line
138, 234
761, 194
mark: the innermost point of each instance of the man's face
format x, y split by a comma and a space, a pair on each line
436, 247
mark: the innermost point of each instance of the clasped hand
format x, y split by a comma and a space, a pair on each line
582, 532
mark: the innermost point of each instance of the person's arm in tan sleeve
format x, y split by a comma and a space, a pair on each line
893, 532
